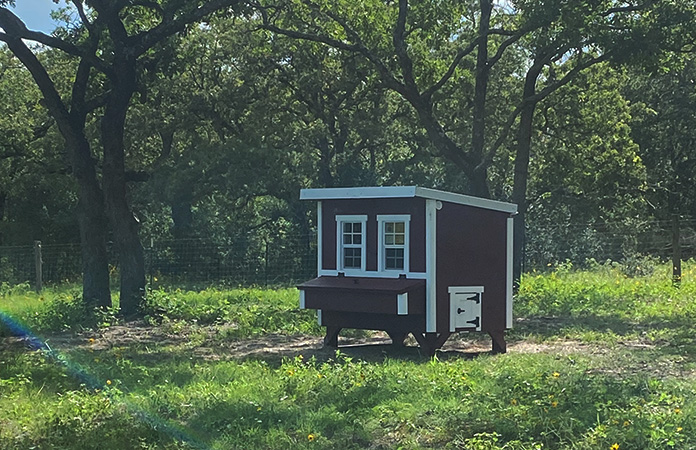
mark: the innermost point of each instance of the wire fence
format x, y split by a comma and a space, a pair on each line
585, 244
246, 262
260, 260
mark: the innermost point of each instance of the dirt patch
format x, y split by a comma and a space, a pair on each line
206, 343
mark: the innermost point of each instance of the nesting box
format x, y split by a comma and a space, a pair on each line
413, 260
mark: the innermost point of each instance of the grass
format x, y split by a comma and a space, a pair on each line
614, 365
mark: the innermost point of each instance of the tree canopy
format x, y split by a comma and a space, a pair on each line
188, 119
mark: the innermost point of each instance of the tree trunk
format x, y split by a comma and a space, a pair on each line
125, 225
182, 215
93, 232
521, 175
91, 216
478, 177
325, 158
3, 201
519, 191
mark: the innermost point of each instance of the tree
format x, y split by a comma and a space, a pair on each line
424, 56
664, 125
587, 180
112, 46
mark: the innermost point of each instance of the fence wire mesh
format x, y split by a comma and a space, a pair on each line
262, 260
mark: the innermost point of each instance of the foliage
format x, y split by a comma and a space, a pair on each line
635, 290
240, 313
53, 310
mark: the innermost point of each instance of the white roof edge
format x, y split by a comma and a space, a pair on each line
466, 200
358, 192
405, 192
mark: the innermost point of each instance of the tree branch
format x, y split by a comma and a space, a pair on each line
171, 25
428, 93
398, 37
567, 78
16, 29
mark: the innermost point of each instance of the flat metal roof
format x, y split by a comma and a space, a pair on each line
405, 192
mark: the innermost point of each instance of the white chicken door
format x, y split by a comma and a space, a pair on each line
465, 307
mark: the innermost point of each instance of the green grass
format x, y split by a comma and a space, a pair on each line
619, 369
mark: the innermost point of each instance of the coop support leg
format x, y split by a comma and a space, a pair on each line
431, 342
397, 338
331, 338
498, 337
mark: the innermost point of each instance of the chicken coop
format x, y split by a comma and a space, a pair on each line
409, 259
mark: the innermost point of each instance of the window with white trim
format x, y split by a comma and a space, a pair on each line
394, 243
350, 243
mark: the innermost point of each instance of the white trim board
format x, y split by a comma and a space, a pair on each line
405, 192
430, 265
381, 248
320, 235
508, 273
340, 220
373, 274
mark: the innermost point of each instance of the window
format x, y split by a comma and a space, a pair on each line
393, 243
350, 239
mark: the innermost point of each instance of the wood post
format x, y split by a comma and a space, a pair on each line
38, 265
499, 345
676, 252
331, 338
431, 342
397, 338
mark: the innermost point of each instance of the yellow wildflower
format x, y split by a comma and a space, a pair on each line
556, 374
91, 340
513, 401
554, 403
626, 423
108, 382
310, 437
615, 446
677, 410
679, 429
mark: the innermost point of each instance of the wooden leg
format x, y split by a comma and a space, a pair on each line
431, 342
331, 338
397, 338
499, 345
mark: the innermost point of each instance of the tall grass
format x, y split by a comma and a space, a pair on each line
608, 291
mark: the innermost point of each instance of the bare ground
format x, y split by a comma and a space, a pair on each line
205, 344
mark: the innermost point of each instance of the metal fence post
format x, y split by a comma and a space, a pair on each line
38, 265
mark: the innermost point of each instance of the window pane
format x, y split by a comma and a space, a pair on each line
347, 227
357, 239
399, 226
389, 227
394, 258
351, 258
347, 238
389, 239
357, 227
399, 239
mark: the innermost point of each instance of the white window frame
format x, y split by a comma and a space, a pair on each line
381, 262
340, 220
